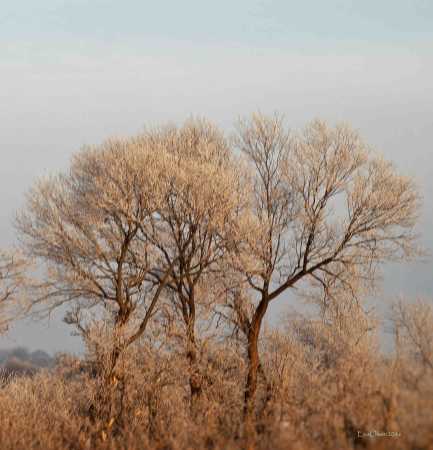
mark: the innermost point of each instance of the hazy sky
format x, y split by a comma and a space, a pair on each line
73, 72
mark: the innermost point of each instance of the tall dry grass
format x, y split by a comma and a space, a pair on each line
324, 384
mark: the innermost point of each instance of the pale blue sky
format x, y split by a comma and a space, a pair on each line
74, 72
251, 22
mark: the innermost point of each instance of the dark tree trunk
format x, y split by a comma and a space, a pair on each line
253, 364
195, 381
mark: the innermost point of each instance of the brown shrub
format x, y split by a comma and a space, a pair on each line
321, 385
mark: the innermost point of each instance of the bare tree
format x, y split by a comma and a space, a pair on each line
325, 209
134, 220
414, 331
13, 267
412, 375
86, 227
202, 202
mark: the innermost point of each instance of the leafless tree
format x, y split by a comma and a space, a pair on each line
133, 220
13, 281
414, 330
202, 203
412, 375
325, 210
86, 227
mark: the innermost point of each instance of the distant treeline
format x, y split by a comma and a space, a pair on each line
20, 361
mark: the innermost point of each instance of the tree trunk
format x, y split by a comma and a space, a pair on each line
105, 407
253, 366
195, 376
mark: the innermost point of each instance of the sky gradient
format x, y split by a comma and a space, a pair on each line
75, 72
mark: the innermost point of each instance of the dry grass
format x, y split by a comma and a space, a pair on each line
320, 387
